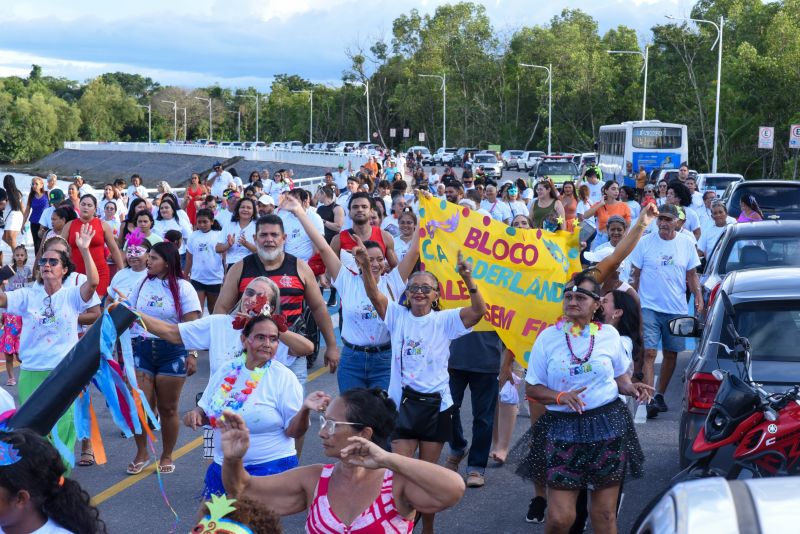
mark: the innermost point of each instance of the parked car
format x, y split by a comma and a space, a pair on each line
766, 303
558, 169
345, 147
778, 199
763, 505
717, 182
672, 174
748, 246
491, 166
528, 159
276, 145
225, 143
509, 158
458, 157
411, 155
443, 156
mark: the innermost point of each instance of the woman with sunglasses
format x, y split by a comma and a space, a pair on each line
193, 197
365, 489
50, 318
420, 335
586, 439
661, 193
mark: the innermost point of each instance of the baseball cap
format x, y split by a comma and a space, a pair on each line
217, 164
341, 166
55, 196
267, 200
668, 210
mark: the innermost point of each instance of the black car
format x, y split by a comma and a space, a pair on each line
778, 199
766, 305
458, 157
751, 245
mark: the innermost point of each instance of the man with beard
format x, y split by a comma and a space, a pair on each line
359, 206
294, 278
454, 191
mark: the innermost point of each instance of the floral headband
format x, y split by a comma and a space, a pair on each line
260, 306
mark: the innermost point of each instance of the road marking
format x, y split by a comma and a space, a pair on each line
16, 364
126, 483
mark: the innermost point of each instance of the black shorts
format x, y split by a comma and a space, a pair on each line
444, 429
208, 288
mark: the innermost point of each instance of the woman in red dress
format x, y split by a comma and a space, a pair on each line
195, 194
103, 237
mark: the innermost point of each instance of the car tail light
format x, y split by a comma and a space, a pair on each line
702, 389
713, 295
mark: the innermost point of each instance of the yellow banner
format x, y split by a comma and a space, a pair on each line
520, 273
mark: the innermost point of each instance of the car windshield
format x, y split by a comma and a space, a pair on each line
556, 168
776, 339
485, 158
720, 182
772, 199
748, 253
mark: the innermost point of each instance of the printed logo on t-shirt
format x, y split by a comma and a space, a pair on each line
285, 281
580, 369
156, 301
295, 233
667, 260
413, 348
368, 312
202, 247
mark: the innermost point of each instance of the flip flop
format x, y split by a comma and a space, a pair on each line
87, 459
134, 468
166, 469
499, 461
11, 382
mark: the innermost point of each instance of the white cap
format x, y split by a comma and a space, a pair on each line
598, 255
267, 200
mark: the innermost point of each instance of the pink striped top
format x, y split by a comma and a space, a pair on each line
381, 517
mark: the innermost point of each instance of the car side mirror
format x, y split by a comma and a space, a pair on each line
685, 327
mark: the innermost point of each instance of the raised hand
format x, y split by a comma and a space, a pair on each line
291, 204
360, 251
648, 214
317, 401
363, 453
464, 267
84, 238
235, 435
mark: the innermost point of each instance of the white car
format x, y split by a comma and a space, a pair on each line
510, 157
717, 182
443, 156
528, 159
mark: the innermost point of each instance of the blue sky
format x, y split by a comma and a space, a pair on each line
237, 43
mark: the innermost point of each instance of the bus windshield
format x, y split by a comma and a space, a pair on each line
654, 137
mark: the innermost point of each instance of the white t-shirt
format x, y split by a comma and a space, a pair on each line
581, 208
635, 208
237, 251
517, 207
161, 227
136, 189
45, 219
221, 182
692, 220
498, 210
154, 298
361, 324
527, 195
709, 237
13, 219
275, 190
423, 343
551, 365
125, 281
50, 323
215, 333
297, 241
207, 265
267, 411
401, 248
340, 178
50, 527
663, 264
6, 402
223, 217
391, 225
595, 191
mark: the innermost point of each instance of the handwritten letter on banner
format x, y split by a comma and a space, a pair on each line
520, 273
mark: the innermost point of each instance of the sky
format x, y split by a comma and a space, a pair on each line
240, 43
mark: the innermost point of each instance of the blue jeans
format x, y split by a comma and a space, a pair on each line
483, 388
359, 369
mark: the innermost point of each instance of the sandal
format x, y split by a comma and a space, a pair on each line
497, 459
134, 468
166, 469
11, 382
87, 459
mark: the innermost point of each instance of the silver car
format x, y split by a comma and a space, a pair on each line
491, 166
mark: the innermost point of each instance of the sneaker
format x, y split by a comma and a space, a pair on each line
652, 409
659, 400
536, 510
475, 480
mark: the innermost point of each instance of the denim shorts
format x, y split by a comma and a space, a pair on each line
358, 369
656, 329
159, 357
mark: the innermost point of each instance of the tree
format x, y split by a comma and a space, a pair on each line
106, 110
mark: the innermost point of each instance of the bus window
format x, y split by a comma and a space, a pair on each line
655, 137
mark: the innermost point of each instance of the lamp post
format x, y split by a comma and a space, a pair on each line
645, 57
257, 97
443, 77
149, 108
366, 92
549, 70
719, 27
311, 113
175, 113
210, 130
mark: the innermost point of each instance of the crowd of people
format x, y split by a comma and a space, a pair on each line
239, 269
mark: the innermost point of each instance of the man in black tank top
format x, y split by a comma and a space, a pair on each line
294, 279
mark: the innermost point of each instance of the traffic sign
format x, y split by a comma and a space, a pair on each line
422, 137
766, 137
794, 136
392, 132
406, 132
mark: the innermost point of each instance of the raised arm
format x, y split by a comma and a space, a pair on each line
609, 264
163, 330
82, 240
470, 315
377, 298
391, 256
331, 260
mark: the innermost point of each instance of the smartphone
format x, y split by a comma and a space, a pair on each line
6, 272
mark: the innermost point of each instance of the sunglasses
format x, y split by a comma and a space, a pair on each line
420, 289
52, 262
329, 425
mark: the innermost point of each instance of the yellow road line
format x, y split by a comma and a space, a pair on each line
126, 483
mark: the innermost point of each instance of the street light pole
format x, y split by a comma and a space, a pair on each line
549, 70
719, 27
311, 114
210, 129
149, 108
443, 77
645, 57
175, 113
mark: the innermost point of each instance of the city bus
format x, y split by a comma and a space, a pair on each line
624, 148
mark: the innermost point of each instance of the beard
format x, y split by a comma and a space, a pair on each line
267, 255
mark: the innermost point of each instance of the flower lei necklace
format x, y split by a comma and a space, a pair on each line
224, 399
589, 330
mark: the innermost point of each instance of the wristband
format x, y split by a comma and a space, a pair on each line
558, 397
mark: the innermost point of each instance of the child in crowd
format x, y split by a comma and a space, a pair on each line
204, 267
12, 324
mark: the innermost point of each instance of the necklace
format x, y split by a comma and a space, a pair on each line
225, 398
569, 329
573, 358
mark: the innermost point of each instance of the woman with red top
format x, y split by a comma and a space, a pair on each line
570, 202
349, 495
193, 199
103, 237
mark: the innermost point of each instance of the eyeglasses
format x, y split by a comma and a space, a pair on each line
329, 425
52, 262
420, 289
250, 292
261, 339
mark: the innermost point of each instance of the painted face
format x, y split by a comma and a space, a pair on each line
254, 290
262, 342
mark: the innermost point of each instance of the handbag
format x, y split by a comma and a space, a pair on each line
419, 412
